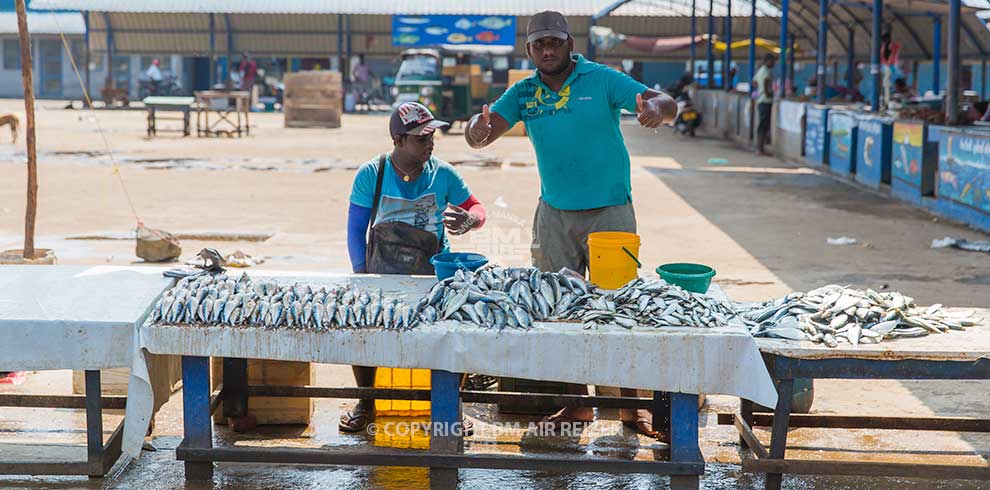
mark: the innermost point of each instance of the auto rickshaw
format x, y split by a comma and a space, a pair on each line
453, 81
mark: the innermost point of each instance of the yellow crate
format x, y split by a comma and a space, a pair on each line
408, 379
402, 432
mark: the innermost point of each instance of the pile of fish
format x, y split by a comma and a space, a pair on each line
652, 304
219, 300
498, 297
831, 314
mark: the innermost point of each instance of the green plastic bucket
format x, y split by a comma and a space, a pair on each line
692, 277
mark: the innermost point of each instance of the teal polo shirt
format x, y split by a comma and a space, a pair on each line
580, 152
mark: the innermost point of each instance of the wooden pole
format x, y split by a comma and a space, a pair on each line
32, 164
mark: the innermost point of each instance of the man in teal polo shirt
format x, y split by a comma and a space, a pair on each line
571, 107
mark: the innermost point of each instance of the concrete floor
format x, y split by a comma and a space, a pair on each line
761, 223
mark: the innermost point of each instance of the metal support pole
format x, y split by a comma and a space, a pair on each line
785, 6
213, 51
340, 45
952, 91
111, 47
822, 60
197, 423
230, 48
710, 56
94, 423
983, 78
790, 62
851, 59
347, 73
752, 39
727, 59
937, 55
87, 97
591, 46
694, 34
446, 419
875, 55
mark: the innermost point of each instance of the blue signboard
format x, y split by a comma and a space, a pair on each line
842, 142
964, 170
434, 30
815, 135
873, 136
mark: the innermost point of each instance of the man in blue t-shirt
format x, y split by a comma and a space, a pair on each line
418, 190
570, 107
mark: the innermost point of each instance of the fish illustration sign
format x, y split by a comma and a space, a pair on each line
964, 171
436, 30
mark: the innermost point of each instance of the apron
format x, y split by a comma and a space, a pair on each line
396, 247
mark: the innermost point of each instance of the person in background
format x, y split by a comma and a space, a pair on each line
890, 56
249, 71
154, 74
902, 91
763, 91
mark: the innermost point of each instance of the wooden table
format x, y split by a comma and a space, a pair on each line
228, 107
950, 356
156, 104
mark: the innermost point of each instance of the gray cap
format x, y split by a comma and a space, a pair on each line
413, 118
546, 24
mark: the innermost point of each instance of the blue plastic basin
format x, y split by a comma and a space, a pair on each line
446, 264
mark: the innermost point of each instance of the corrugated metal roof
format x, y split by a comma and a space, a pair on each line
586, 8
45, 23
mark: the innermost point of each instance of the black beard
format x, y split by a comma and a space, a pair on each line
562, 69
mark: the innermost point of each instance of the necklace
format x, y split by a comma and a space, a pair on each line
405, 175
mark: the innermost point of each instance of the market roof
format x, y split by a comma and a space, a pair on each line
68, 23
585, 8
301, 26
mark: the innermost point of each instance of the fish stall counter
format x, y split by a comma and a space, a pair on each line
685, 361
80, 318
955, 355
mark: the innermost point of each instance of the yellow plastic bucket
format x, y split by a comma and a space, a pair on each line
612, 258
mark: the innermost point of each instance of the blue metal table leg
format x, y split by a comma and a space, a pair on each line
684, 437
94, 423
778, 437
446, 435
196, 420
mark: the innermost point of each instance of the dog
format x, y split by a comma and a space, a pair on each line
14, 122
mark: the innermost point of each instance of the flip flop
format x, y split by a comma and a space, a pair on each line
641, 426
354, 421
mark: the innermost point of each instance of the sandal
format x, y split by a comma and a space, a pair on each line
355, 421
641, 426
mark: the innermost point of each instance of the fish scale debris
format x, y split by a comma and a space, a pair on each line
833, 314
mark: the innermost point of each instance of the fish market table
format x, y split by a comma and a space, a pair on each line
682, 361
228, 107
156, 104
72, 317
957, 355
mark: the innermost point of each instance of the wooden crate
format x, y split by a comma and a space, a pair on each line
270, 410
313, 99
112, 381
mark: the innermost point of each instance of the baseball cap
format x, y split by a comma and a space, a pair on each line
413, 118
546, 24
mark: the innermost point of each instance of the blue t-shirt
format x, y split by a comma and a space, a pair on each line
419, 203
580, 152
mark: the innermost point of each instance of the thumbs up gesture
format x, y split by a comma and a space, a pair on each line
481, 126
648, 112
